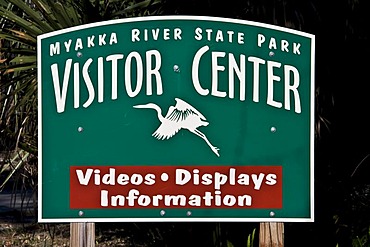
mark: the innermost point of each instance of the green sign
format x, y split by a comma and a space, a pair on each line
176, 118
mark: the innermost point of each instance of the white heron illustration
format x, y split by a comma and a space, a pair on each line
180, 116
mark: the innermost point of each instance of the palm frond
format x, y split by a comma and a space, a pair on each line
141, 7
21, 22
33, 15
30, 27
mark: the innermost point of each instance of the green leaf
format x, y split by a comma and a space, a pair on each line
20, 51
17, 67
138, 6
22, 35
33, 15
14, 38
229, 244
24, 59
47, 13
65, 13
23, 158
30, 27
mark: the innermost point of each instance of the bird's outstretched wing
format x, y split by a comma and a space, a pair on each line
181, 111
183, 106
166, 130
182, 115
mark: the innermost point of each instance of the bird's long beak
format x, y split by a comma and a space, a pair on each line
139, 106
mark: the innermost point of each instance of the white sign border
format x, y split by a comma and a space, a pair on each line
163, 218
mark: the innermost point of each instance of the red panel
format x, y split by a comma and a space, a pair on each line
185, 187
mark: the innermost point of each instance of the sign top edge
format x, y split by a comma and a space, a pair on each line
176, 17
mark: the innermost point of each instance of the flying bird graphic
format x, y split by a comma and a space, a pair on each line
180, 116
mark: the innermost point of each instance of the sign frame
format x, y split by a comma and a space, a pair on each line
161, 218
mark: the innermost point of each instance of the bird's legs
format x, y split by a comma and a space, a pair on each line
203, 136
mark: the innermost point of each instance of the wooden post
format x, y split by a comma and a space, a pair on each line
82, 234
271, 234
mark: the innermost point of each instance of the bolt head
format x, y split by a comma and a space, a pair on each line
176, 68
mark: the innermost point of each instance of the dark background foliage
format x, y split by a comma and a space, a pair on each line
342, 162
